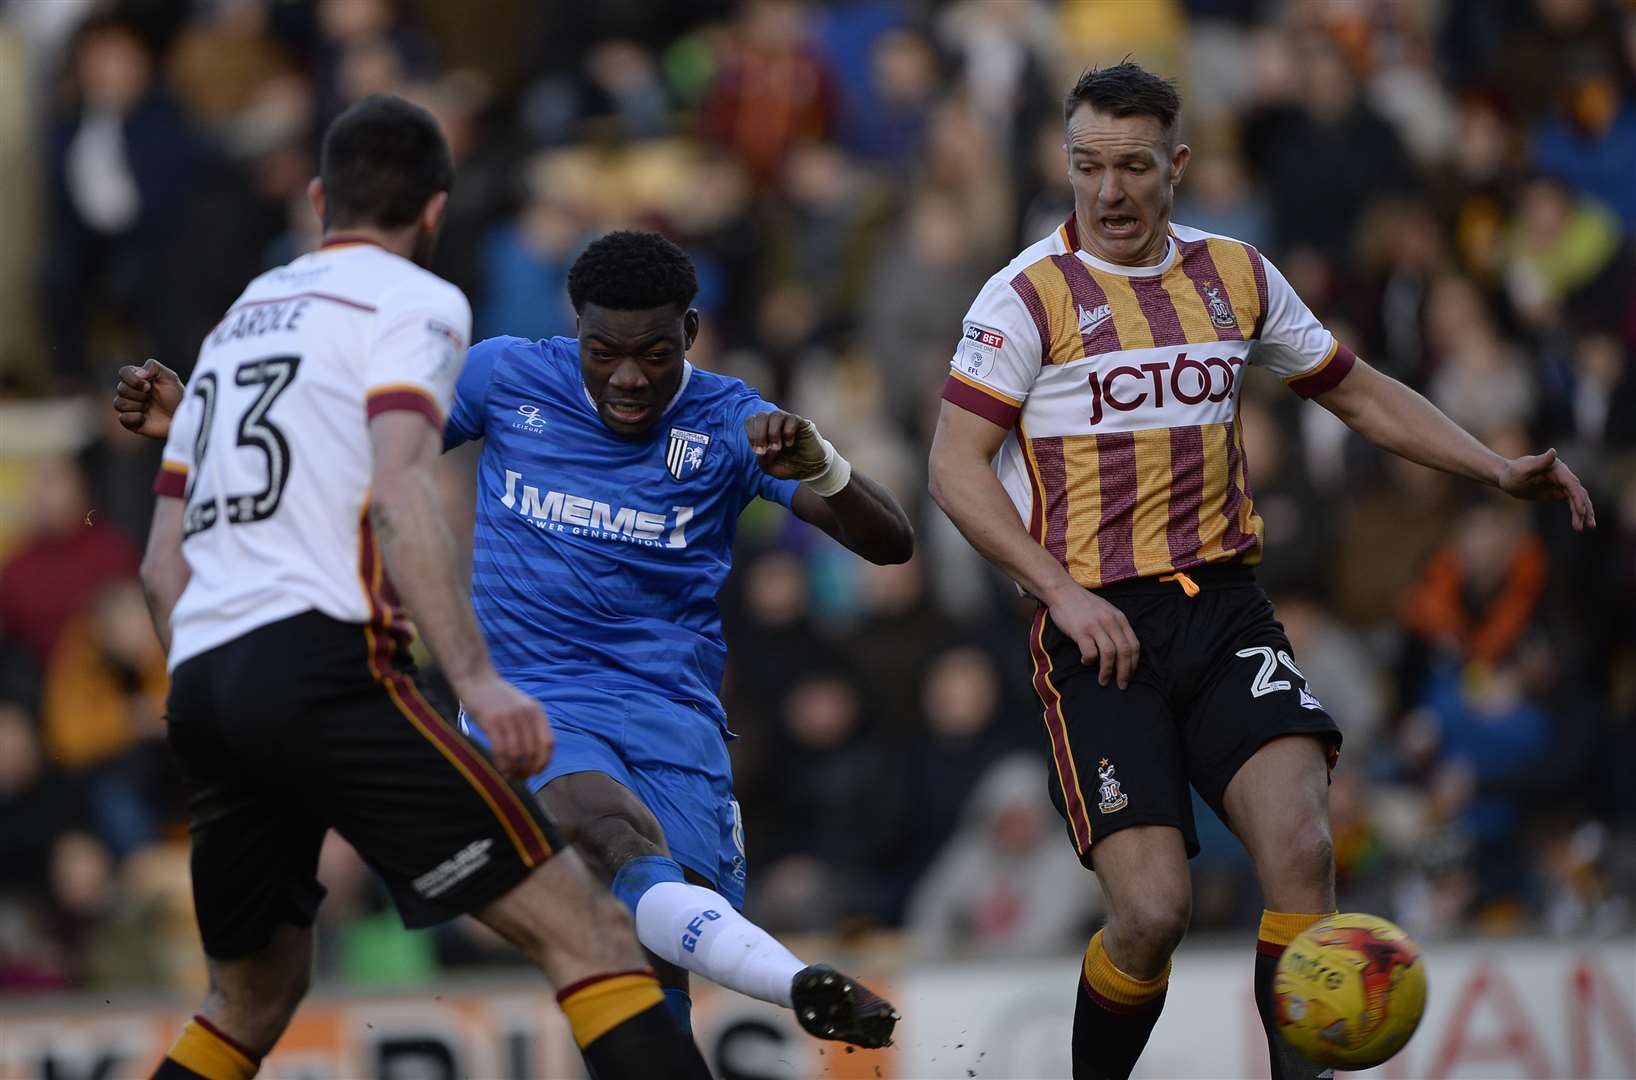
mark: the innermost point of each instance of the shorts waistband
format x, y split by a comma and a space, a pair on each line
1216, 576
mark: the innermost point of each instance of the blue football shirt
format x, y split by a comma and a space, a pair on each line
597, 559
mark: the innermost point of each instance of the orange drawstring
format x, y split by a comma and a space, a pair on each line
1184, 581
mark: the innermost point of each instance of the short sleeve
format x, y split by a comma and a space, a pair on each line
1294, 345
999, 355
420, 346
177, 460
756, 483
471, 392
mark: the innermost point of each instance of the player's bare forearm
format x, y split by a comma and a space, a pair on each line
164, 569
863, 516
1396, 418
407, 514
963, 483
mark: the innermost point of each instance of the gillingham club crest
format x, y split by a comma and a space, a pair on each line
1112, 798
685, 452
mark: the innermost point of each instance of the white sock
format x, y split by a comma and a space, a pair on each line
697, 929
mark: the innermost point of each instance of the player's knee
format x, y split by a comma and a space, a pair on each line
601, 938
256, 1013
610, 935
1308, 853
1152, 927
612, 840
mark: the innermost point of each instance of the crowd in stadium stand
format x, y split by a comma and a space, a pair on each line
1455, 197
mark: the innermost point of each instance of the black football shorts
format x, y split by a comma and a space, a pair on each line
1216, 681
307, 724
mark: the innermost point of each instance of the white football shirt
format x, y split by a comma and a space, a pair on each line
271, 451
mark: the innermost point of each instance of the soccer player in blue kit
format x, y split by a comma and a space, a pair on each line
610, 484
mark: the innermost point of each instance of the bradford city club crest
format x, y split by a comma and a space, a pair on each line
1221, 312
685, 453
1112, 798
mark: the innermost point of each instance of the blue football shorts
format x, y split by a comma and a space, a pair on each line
672, 757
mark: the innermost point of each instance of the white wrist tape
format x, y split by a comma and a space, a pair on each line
835, 475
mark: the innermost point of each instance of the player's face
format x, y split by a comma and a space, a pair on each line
1124, 176
631, 362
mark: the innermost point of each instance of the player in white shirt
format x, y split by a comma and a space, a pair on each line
296, 488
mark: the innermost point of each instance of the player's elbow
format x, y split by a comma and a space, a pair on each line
936, 485
898, 546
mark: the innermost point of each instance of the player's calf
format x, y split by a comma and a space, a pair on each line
583, 940
250, 1003
1278, 803
1126, 970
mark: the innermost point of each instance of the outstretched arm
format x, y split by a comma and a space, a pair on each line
1396, 418
847, 505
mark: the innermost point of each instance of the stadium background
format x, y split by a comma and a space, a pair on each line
1451, 185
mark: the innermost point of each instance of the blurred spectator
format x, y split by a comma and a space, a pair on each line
886, 123
1479, 593
834, 802
1326, 159
922, 286
1555, 246
1559, 37
1046, 196
121, 161
900, 634
224, 63
103, 715
1591, 141
1006, 885
1003, 55
1401, 252
964, 731
63, 562
1480, 380
1219, 197
825, 240
364, 47
100, 918
772, 91
1338, 668
525, 264
1472, 193
1295, 535
37, 803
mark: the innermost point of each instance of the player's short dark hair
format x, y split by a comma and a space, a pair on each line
382, 159
1127, 89
629, 270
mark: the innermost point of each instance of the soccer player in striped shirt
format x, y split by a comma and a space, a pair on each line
1089, 446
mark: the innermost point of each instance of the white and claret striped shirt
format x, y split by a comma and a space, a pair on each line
1118, 387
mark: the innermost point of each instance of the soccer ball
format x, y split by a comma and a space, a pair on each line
1349, 991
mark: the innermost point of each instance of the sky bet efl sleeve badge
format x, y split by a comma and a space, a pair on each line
685, 453
978, 347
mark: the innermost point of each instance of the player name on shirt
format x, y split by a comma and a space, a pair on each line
261, 317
